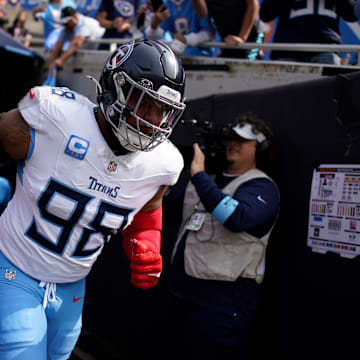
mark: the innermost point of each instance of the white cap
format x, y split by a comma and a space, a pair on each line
64, 20
245, 131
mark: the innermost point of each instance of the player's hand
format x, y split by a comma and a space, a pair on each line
198, 162
146, 265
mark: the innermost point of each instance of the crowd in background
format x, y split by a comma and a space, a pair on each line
186, 24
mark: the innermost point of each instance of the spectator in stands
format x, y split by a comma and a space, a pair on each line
189, 30
307, 22
88, 7
218, 259
236, 21
14, 3
117, 17
77, 29
18, 29
49, 14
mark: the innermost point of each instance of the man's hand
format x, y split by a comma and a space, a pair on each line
160, 15
121, 24
198, 162
59, 63
141, 9
233, 40
146, 265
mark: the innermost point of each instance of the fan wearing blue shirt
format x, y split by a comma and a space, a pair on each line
188, 29
50, 16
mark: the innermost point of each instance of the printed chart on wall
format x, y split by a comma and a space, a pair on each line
334, 213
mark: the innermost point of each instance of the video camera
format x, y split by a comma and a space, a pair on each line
212, 138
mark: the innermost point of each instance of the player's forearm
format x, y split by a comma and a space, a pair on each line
3, 154
156, 202
14, 135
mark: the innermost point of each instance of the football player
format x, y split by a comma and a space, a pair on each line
86, 172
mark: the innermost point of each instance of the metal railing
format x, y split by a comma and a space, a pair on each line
249, 45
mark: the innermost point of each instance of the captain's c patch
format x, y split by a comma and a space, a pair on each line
77, 147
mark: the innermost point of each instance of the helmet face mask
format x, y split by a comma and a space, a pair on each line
142, 106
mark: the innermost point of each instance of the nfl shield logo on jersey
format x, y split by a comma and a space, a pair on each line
10, 274
112, 166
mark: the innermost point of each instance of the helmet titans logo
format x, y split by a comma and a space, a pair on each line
120, 56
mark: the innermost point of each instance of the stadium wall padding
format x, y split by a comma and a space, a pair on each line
311, 300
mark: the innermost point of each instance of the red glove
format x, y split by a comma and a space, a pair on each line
146, 265
141, 242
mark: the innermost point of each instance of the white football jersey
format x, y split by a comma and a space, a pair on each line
72, 192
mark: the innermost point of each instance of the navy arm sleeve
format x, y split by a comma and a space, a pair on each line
210, 194
257, 208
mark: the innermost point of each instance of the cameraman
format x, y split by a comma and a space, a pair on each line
218, 259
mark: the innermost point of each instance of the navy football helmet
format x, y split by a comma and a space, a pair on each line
140, 78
